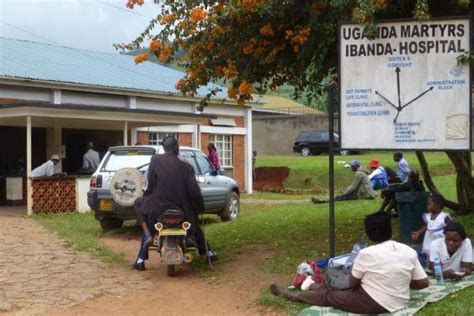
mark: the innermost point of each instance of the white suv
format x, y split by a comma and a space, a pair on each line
221, 194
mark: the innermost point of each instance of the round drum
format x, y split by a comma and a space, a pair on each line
126, 186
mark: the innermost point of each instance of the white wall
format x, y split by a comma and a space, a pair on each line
82, 186
25, 93
96, 99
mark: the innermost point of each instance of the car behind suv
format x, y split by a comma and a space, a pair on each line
220, 193
315, 142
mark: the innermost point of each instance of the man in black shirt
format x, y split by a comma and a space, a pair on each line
171, 184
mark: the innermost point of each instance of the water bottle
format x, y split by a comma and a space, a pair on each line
438, 271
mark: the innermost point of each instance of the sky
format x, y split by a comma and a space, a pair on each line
87, 24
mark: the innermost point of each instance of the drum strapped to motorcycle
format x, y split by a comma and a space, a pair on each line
126, 186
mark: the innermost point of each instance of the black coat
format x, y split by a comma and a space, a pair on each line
171, 184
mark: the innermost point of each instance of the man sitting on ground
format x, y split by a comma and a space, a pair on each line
378, 177
381, 278
403, 170
360, 187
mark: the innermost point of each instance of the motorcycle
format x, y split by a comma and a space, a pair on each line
171, 242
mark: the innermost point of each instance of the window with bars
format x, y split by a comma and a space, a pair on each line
224, 148
155, 137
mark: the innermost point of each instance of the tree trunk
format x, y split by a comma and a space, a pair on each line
464, 182
429, 181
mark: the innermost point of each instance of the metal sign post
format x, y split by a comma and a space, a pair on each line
331, 169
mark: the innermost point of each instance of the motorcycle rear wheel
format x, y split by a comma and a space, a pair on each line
171, 270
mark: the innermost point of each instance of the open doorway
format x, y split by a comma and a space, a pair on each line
75, 141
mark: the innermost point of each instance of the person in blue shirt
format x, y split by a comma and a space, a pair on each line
403, 168
378, 178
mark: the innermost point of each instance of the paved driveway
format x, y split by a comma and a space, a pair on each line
37, 272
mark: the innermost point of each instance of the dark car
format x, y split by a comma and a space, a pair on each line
315, 143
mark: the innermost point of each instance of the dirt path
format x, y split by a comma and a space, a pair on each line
37, 272
232, 290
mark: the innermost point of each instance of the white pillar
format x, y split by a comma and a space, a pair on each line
56, 96
125, 133
29, 189
133, 136
248, 150
197, 136
57, 146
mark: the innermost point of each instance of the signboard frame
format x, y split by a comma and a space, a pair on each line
391, 148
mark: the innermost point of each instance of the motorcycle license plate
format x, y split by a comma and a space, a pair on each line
173, 232
105, 205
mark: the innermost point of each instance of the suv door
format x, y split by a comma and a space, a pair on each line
324, 143
213, 188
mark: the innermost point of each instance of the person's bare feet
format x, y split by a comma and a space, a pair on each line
279, 291
275, 289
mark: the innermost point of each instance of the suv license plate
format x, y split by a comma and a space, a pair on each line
105, 205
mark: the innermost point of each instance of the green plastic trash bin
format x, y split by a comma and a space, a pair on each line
411, 205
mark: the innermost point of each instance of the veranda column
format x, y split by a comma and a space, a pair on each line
248, 150
125, 133
29, 189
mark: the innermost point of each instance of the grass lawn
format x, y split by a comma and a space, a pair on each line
81, 233
293, 232
311, 173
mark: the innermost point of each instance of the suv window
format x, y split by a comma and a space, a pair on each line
204, 164
133, 158
189, 157
308, 136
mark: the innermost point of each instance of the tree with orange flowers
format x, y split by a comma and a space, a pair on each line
265, 43
253, 46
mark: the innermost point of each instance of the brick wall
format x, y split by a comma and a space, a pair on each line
9, 101
238, 160
54, 195
185, 139
142, 138
204, 142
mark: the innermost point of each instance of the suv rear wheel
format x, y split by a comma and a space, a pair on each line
111, 223
305, 151
232, 209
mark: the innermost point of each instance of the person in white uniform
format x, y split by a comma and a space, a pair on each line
46, 169
454, 252
381, 277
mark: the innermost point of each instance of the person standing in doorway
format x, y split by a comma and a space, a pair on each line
213, 156
403, 168
90, 160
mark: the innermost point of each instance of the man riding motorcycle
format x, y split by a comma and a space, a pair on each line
171, 184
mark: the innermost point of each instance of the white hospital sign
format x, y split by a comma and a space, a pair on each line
404, 89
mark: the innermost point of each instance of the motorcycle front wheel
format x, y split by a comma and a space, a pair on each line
171, 270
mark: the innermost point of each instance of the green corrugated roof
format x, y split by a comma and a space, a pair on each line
46, 62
